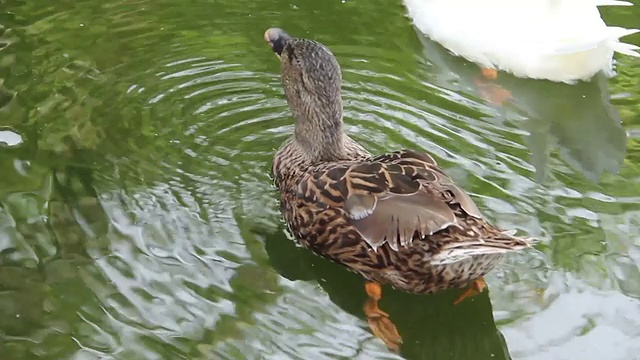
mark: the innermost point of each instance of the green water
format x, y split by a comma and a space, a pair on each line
138, 219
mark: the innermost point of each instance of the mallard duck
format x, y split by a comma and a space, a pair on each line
395, 218
557, 40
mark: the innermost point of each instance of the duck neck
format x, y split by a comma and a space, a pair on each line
321, 135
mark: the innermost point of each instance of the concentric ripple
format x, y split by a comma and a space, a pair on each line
138, 219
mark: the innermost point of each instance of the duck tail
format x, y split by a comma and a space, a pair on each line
616, 33
497, 244
628, 49
609, 38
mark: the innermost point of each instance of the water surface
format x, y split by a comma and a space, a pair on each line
138, 218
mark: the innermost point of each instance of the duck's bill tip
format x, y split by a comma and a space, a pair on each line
276, 38
269, 35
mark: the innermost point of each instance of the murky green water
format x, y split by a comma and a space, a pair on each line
138, 221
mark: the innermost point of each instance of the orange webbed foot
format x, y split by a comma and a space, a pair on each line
379, 322
489, 73
475, 288
489, 90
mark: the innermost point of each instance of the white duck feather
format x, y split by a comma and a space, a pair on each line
557, 40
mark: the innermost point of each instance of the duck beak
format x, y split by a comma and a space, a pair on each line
277, 39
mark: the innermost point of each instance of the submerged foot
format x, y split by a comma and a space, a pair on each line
493, 93
490, 74
475, 288
379, 322
489, 90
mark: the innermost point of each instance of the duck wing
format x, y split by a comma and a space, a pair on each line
392, 198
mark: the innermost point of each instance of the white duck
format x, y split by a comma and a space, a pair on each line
557, 40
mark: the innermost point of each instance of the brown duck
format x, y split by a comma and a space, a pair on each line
394, 218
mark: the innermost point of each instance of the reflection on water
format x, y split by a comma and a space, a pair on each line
138, 221
431, 327
578, 120
10, 138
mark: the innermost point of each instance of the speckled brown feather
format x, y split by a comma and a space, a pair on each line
395, 218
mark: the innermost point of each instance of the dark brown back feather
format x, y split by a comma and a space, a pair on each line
391, 198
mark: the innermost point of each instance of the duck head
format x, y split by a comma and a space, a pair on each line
312, 80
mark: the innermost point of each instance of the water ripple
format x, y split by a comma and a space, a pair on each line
137, 202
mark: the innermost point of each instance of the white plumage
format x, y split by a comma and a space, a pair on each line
557, 40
